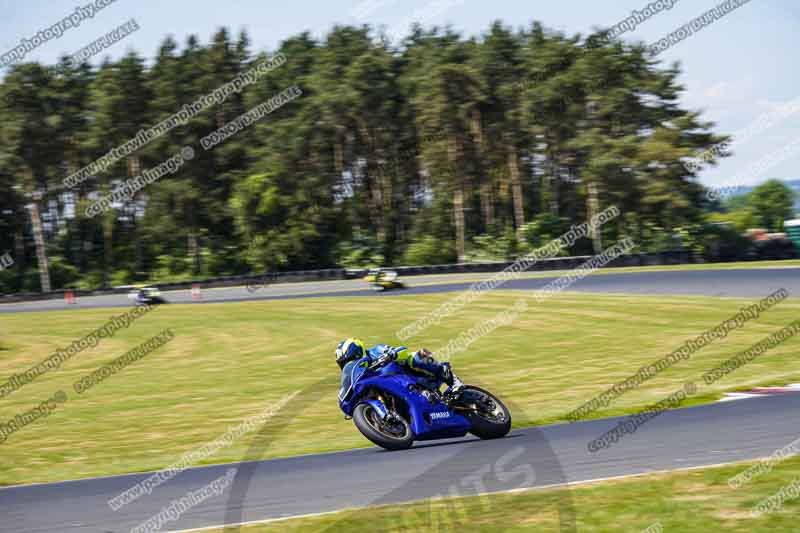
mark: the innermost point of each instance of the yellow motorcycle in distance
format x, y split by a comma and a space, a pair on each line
383, 280
145, 295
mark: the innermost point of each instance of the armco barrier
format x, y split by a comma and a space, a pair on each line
555, 263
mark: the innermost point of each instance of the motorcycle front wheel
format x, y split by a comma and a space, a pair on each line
394, 434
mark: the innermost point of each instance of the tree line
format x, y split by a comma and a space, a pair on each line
441, 148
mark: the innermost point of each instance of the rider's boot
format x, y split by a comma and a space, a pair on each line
454, 385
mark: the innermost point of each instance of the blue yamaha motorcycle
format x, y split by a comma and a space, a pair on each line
392, 407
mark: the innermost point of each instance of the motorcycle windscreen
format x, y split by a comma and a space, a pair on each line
351, 373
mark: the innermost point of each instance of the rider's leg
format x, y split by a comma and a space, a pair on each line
422, 362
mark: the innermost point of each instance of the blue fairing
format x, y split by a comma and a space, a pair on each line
428, 421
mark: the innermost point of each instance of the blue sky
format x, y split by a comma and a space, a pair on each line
735, 70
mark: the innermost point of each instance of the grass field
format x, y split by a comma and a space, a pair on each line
230, 361
684, 501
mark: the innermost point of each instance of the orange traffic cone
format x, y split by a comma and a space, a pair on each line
69, 297
195, 291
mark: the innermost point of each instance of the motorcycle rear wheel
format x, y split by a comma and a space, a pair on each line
370, 425
490, 418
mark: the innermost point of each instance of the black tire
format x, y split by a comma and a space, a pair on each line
364, 416
483, 426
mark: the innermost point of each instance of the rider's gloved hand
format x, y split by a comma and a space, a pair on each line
386, 357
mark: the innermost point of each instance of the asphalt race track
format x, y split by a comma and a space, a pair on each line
533, 457
754, 282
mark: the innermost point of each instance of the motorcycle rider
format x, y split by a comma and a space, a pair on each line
420, 362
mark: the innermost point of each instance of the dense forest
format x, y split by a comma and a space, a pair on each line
438, 149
